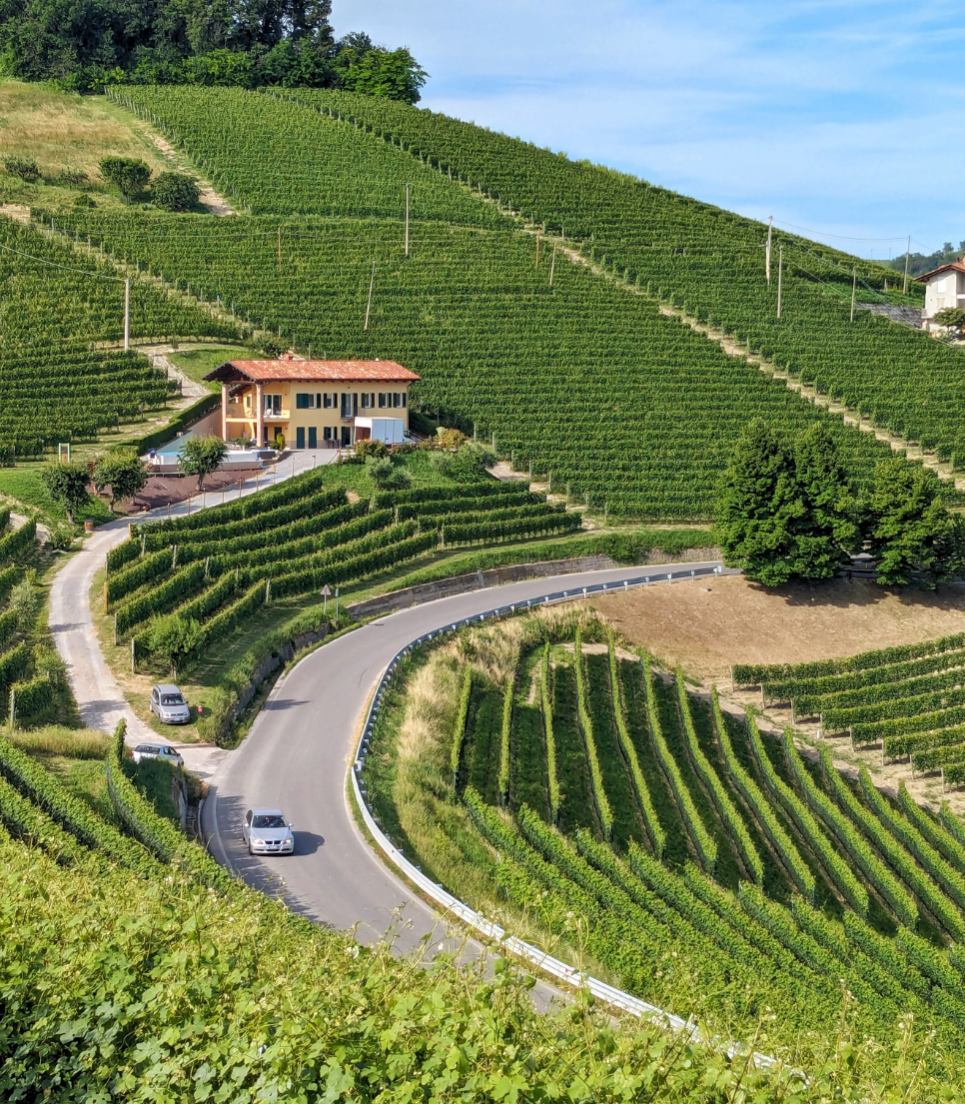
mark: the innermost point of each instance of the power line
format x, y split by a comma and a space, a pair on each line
66, 268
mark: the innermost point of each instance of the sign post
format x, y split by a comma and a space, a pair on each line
325, 593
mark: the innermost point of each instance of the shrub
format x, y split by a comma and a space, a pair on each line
174, 192
23, 167
128, 174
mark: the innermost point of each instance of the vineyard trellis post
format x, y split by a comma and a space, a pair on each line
368, 309
854, 288
780, 278
553, 264
767, 254
904, 291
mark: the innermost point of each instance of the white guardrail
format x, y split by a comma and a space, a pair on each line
608, 994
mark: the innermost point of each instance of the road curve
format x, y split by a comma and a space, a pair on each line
298, 752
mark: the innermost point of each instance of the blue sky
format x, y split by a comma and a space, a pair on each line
839, 116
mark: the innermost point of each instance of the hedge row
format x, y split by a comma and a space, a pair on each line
753, 674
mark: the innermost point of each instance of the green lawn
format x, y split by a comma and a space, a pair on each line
196, 363
23, 484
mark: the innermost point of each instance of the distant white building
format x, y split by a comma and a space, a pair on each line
944, 288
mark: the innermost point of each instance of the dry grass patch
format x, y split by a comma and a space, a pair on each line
705, 626
61, 131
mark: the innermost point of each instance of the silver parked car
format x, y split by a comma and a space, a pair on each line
168, 703
266, 832
158, 751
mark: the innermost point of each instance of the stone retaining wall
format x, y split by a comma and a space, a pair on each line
515, 573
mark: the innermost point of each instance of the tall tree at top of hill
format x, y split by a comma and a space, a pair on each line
88, 44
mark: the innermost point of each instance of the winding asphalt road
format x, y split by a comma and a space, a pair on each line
297, 756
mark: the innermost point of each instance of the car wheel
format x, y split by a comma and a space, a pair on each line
250, 852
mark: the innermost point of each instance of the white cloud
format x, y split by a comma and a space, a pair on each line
841, 114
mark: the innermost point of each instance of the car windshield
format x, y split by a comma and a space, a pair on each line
269, 822
147, 749
168, 751
172, 699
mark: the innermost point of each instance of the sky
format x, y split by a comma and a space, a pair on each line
839, 117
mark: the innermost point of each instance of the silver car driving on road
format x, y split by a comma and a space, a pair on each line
266, 832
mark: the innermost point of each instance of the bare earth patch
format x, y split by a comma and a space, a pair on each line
707, 626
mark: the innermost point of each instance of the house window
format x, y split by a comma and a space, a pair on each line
346, 404
368, 399
398, 398
328, 400
381, 399
304, 401
273, 406
327, 433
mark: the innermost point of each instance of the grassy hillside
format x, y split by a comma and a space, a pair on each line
66, 136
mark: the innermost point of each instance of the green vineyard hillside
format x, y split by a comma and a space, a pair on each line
708, 261
576, 379
59, 308
711, 867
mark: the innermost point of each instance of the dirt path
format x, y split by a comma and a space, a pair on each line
209, 198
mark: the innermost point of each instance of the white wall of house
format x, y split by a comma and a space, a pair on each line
943, 291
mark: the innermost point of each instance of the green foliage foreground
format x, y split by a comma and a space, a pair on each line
198, 989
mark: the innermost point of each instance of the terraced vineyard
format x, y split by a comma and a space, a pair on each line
26, 671
713, 868
55, 304
708, 261
213, 570
586, 383
908, 699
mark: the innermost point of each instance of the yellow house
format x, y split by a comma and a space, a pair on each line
313, 403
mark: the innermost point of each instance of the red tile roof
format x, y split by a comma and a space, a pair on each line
297, 370
954, 266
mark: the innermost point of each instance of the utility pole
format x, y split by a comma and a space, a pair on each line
780, 278
767, 254
854, 288
407, 187
904, 289
368, 309
537, 249
127, 314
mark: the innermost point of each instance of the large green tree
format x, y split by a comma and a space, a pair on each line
828, 528
123, 471
759, 508
909, 530
67, 486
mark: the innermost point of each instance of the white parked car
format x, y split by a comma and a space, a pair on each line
158, 751
266, 832
168, 703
